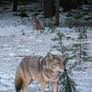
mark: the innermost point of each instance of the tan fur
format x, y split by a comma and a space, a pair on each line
36, 24
43, 70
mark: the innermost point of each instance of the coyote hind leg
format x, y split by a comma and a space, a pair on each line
26, 82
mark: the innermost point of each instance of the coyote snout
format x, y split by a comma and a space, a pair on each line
44, 70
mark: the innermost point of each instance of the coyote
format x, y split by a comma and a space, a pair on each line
43, 70
36, 24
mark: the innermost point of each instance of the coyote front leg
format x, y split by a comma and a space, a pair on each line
54, 86
42, 86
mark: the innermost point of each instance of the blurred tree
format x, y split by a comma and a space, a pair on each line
69, 4
15, 4
57, 2
49, 8
85, 1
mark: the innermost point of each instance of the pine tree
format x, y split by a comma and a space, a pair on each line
79, 49
60, 46
66, 84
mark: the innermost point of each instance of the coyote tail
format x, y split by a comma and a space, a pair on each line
18, 82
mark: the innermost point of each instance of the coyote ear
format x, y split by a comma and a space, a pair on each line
49, 53
49, 57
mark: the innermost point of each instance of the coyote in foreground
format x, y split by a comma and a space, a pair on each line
43, 70
36, 24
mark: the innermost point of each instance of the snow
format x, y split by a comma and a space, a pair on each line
83, 77
14, 44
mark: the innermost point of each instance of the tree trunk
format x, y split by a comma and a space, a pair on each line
57, 2
70, 4
49, 8
15, 4
85, 1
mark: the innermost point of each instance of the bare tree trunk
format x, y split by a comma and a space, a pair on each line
85, 1
15, 4
49, 8
57, 2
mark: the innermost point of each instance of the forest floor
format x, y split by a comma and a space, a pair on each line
18, 39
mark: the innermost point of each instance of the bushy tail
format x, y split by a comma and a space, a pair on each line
18, 82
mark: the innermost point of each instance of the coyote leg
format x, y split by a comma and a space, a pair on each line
24, 87
54, 86
42, 86
25, 84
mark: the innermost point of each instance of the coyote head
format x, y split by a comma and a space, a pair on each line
55, 62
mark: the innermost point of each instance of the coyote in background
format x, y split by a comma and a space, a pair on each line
36, 24
43, 70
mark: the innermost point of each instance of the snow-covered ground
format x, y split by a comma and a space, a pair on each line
18, 39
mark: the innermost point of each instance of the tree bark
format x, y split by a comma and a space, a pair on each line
49, 8
15, 4
85, 1
70, 4
57, 3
